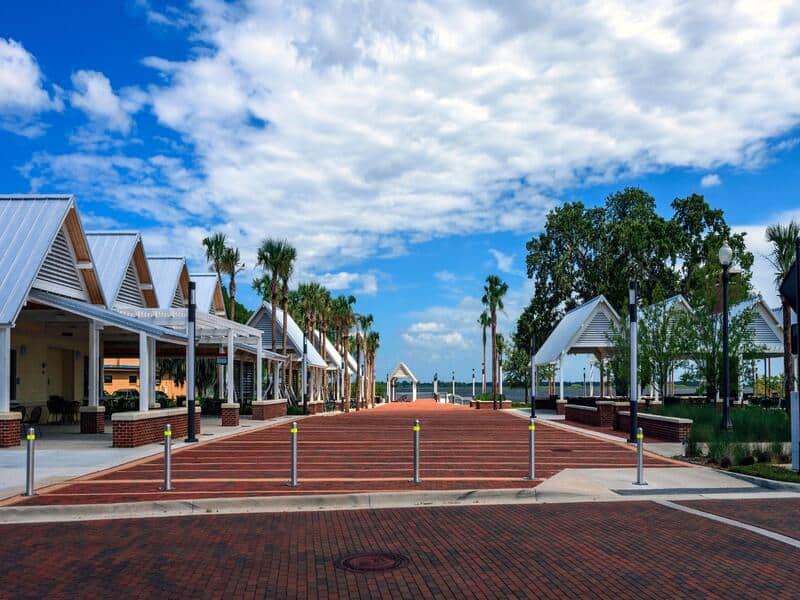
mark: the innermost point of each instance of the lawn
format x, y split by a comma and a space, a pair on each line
768, 471
750, 423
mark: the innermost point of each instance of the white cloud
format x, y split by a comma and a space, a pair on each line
505, 262
22, 92
361, 283
710, 180
94, 95
354, 129
445, 276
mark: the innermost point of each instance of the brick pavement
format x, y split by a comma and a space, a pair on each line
611, 550
364, 451
780, 516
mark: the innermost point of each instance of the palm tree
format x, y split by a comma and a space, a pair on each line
345, 319
215, 248
231, 264
782, 237
285, 264
373, 343
364, 323
493, 293
485, 322
268, 258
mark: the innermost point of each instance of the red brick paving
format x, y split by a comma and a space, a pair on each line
362, 451
611, 550
780, 516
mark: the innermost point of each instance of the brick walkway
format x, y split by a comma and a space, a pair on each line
357, 452
616, 550
780, 516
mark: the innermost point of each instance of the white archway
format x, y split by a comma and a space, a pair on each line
401, 371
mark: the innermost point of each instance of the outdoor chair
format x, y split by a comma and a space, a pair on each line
34, 419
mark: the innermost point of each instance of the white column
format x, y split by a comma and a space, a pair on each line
591, 380
230, 396
275, 390
500, 383
259, 367
151, 381
5, 369
561, 376
144, 372
94, 364
414, 391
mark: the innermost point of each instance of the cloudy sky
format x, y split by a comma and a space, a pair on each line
406, 148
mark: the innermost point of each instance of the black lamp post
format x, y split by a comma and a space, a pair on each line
533, 376
633, 384
190, 352
725, 257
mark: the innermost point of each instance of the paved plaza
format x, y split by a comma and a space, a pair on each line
358, 452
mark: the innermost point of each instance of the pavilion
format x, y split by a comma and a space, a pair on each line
401, 372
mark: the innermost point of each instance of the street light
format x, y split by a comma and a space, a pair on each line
454, 385
533, 376
633, 384
725, 257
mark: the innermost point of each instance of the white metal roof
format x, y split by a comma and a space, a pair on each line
204, 290
108, 317
401, 371
262, 319
28, 227
331, 353
166, 272
112, 253
585, 329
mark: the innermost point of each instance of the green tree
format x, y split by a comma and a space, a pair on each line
231, 264
485, 322
782, 255
493, 293
215, 249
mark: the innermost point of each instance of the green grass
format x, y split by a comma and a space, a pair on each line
768, 471
750, 423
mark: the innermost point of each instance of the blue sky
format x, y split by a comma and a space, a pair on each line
406, 151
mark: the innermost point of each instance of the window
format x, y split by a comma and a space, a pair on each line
132, 379
108, 379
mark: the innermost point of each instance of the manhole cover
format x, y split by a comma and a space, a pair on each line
371, 562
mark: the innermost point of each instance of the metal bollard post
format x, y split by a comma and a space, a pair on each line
31, 437
293, 435
416, 452
167, 458
640, 457
531, 450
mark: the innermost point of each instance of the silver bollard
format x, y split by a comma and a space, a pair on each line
293, 434
531, 450
640, 457
167, 458
416, 452
31, 437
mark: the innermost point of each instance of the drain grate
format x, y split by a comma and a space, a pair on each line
371, 562
563, 450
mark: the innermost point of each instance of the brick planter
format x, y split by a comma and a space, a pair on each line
230, 414
606, 412
588, 415
137, 428
561, 407
315, 408
10, 423
268, 409
669, 429
488, 404
93, 419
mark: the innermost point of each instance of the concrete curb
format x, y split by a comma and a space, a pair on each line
768, 484
282, 504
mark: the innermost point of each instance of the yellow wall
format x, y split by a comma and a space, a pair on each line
130, 366
42, 357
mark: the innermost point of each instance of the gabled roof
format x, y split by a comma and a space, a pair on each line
169, 273
678, 301
114, 252
331, 353
208, 293
401, 371
29, 225
262, 319
778, 313
585, 329
766, 328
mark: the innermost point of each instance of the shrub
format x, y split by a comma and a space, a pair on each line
763, 454
488, 397
719, 450
742, 455
692, 448
778, 455
750, 423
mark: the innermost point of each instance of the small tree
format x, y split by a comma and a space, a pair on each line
661, 343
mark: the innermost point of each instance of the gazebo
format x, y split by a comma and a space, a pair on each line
586, 329
401, 371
